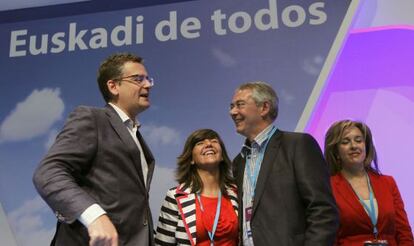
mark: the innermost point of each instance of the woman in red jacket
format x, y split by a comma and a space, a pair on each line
369, 202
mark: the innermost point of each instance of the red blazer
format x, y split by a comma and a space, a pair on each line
355, 224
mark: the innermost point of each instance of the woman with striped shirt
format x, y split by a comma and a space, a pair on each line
202, 209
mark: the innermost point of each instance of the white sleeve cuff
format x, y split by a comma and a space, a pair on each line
91, 214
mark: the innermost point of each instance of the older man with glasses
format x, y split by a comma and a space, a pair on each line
97, 174
284, 194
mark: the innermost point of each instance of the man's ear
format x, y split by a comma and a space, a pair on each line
112, 87
265, 109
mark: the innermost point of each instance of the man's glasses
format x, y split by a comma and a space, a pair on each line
238, 105
137, 79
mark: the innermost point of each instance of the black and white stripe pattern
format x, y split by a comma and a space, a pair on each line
177, 220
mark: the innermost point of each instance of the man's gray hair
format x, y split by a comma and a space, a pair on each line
263, 92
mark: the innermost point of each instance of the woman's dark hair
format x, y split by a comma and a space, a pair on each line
187, 174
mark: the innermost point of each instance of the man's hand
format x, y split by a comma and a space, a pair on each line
102, 232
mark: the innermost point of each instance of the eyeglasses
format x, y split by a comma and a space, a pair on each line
137, 79
238, 105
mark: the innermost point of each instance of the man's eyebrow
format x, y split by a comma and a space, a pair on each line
134, 75
237, 102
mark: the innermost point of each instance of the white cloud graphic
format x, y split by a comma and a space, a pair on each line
27, 224
28, 221
32, 117
162, 180
224, 58
313, 65
286, 96
160, 135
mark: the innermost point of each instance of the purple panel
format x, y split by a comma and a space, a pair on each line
373, 81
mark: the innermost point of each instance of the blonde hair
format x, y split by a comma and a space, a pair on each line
333, 138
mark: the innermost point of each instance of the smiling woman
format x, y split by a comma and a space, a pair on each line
202, 209
370, 204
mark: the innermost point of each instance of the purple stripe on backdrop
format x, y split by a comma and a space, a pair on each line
77, 8
373, 81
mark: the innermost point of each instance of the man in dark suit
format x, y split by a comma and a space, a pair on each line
97, 174
284, 192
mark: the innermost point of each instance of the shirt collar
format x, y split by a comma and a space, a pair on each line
263, 135
258, 141
124, 117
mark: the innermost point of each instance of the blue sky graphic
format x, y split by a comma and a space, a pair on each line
194, 83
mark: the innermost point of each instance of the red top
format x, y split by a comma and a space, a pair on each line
227, 228
356, 226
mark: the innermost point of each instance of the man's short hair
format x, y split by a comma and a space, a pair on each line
263, 92
112, 68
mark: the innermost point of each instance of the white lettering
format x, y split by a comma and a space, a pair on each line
268, 18
14, 42
76, 38
139, 34
125, 30
171, 28
72, 39
246, 22
271, 12
190, 28
300, 16
57, 40
315, 11
217, 18
43, 45
99, 38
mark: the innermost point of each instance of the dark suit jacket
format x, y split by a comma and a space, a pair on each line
356, 226
293, 202
95, 160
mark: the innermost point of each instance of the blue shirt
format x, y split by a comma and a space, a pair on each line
254, 157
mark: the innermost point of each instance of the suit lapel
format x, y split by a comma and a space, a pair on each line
378, 188
148, 157
126, 138
345, 190
266, 167
240, 163
238, 172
